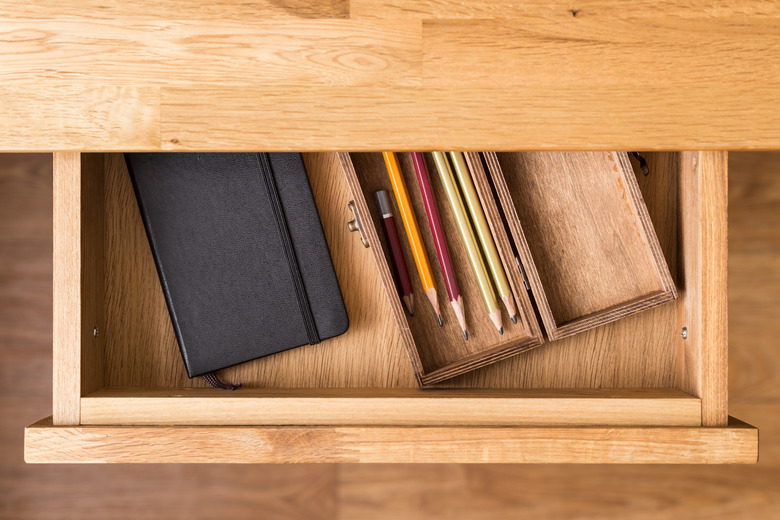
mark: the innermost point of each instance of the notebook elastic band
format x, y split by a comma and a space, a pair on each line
292, 260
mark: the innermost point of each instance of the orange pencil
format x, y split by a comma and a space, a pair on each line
412, 230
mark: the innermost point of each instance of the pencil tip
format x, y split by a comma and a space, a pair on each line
514, 319
501, 331
466, 335
438, 317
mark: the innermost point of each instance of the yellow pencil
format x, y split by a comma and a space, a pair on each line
483, 233
469, 242
412, 230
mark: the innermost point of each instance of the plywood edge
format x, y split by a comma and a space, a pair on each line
46, 443
479, 359
400, 407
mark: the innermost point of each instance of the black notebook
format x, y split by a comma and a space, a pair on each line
240, 252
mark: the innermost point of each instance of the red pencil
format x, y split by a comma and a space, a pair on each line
396, 254
439, 240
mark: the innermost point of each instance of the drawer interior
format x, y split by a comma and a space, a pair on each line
134, 352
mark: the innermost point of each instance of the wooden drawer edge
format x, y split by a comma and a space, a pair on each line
45, 443
391, 407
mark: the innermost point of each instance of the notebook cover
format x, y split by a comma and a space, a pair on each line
220, 253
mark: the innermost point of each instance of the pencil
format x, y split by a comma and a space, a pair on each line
469, 242
483, 233
412, 230
439, 239
403, 283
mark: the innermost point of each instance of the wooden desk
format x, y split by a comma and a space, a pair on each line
366, 75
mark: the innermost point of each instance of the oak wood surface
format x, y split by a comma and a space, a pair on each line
67, 289
735, 444
374, 74
399, 407
389, 491
703, 354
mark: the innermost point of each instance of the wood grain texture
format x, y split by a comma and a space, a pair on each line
67, 289
64, 116
234, 10
400, 407
442, 351
737, 443
151, 52
703, 355
559, 9
92, 271
577, 220
484, 48
496, 118
374, 74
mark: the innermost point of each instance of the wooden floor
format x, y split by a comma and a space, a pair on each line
376, 491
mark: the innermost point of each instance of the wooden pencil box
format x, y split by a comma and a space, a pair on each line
575, 222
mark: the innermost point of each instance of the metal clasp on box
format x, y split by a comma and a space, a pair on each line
355, 224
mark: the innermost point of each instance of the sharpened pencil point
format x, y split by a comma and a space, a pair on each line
466, 335
501, 331
514, 319
438, 317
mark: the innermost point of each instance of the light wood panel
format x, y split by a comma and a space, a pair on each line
703, 354
560, 9
737, 443
61, 115
235, 10
561, 51
67, 285
400, 407
269, 75
473, 118
78, 281
151, 52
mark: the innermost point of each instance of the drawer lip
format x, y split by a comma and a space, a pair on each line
736, 443
391, 407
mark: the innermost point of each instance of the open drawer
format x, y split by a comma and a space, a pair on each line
650, 388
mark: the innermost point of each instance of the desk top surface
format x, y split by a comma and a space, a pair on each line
216, 75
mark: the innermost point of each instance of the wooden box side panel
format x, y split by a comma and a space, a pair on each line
77, 281
703, 353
